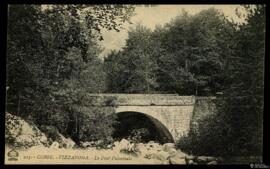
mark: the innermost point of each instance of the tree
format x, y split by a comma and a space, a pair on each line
52, 56
195, 54
186, 56
237, 127
134, 65
244, 96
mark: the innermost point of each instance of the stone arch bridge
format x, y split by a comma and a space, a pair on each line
171, 114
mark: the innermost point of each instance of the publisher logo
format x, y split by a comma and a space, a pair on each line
13, 155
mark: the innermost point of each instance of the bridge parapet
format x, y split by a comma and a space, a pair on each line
139, 100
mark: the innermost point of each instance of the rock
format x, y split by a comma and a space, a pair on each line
123, 145
204, 159
173, 152
55, 145
140, 148
153, 146
69, 143
212, 158
22, 133
109, 146
177, 160
27, 129
24, 140
167, 146
131, 147
190, 162
124, 142
116, 143
99, 142
189, 157
170, 148
212, 163
177, 157
43, 139
160, 156
116, 146
88, 144
85, 144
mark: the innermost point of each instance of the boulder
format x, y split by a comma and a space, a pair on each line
213, 163
88, 144
26, 129
177, 160
85, 144
24, 141
189, 157
22, 134
99, 142
190, 162
43, 139
116, 143
205, 159
163, 156
160, 156
181, 153
123, 145
124, 142
153, 146
131, 147
69, 143
177, 157
167, 146
55, 145
140, 148
109, 146
173, 152
65, 142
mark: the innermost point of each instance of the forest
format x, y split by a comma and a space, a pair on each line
53, 61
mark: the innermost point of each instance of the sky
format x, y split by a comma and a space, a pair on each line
151, 16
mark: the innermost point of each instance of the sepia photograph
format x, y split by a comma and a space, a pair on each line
135, 84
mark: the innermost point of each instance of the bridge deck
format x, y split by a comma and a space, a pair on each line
139, 100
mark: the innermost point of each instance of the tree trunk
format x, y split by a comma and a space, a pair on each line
186, 65
71, 124
18, 102
77, 130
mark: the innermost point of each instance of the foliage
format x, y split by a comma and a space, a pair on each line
243, 107
139, 135
53, 60
237, 127
52, 63
186, 56
133, 69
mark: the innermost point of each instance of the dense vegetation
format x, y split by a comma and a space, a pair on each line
53, 62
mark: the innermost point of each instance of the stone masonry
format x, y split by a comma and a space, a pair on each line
176, 113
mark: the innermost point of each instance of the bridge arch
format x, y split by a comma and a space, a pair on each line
130, 120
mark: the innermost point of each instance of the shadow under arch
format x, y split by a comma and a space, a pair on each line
130, 120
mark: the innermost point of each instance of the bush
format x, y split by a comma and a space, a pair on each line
86, 124
139, 135
51, 132
209, 138
215, 136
